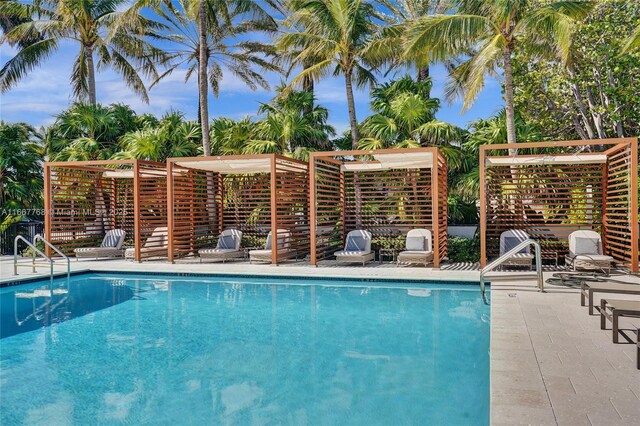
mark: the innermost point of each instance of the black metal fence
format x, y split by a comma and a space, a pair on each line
27, 229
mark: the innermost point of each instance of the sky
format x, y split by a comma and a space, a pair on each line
47, 91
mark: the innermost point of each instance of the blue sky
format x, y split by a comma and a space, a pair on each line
46, 92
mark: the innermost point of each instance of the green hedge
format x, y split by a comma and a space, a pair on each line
464, 249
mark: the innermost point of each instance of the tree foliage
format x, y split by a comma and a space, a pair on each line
597, 95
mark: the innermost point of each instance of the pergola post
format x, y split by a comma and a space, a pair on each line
136, 211
312, 209
483, 210
274, 211
635, 231
170, 208
435, 199
47, 207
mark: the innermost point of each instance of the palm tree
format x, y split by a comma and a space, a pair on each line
401, 13
488, 34
116, 38
209, 37
334, 36
633, 42
292, 125
20, 170
172, 136
89, 132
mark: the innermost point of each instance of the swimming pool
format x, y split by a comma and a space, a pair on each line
115, 348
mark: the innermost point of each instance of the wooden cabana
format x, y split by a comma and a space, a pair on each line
550, 189
255, 194
85, 199
387, 192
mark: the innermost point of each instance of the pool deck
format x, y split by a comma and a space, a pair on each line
550, 362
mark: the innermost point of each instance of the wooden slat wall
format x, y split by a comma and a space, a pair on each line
80, 196
443, 211
329, 187
617, 205
197, 197
152, 198
292, 206
393, 202
547, 201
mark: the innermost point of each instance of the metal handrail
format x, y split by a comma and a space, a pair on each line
33, 261
499, 261
54, 248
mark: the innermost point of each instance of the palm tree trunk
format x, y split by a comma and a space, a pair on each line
508, 95
203, 106
353, 122
91, 76
203, 87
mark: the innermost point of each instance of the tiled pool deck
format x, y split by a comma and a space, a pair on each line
550, 362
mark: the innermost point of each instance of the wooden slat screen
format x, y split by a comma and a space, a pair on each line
292, 206
84, 205
329, 187
152, 209
388, 203
443, 211
240, 201
550, 201
617, 205
196, 210
547, 201
393, 202
89, 198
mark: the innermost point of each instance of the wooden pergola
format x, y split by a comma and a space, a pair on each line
550, 189
85, 199
387, 192
255, 194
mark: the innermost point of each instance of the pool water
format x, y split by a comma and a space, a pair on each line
111, 349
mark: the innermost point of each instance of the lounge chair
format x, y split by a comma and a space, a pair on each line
585, 252
228, 247
618, 308
587, 289
111, 246
357, 248
283, 237
508, 241
419, 247
153, 246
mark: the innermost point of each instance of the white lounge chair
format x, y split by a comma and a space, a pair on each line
154, 245
585, 252
283, 237
111, 246
419, 247
508, 241
357, 248
228, 247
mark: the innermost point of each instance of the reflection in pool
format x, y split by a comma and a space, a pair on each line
28, 308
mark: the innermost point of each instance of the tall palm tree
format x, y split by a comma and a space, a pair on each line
334, 36
104, 31
222, 46
401, 12
488, 32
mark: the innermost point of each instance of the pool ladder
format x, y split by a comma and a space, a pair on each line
35, 250
499, 261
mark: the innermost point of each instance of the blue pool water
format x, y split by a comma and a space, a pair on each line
111, 349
